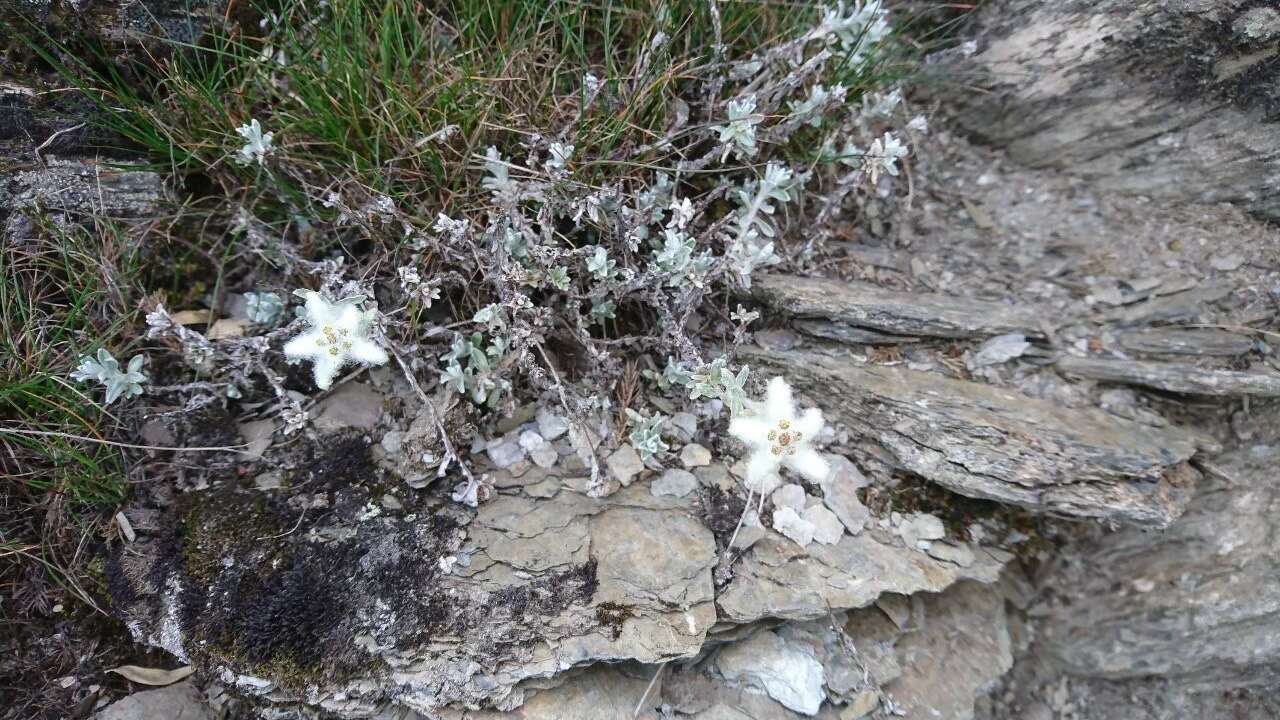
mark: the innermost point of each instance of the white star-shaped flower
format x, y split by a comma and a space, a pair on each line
777, 436
257, 143
339, 335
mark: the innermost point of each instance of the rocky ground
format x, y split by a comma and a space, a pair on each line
1053, 498
1053, 428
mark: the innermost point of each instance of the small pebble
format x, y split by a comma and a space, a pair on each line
694, 455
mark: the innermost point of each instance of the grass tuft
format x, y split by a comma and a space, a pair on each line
62, 294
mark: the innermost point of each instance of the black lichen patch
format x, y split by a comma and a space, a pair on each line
338, 462
256, 595
1194, 56
297, 584
209, 426
512, 617
612, 616
721, 512
284, 618
276, 583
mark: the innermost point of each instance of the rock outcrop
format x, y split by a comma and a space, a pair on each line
1175, 101
987, 442
328, 580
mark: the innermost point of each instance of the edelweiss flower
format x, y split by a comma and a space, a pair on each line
777, 436
257, 143
339, 335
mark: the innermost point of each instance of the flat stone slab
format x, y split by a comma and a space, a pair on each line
1197, 342
1173, 377
863, 313
987, 442
181, 701
957, 645
779, 579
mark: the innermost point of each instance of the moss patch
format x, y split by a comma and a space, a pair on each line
913, 494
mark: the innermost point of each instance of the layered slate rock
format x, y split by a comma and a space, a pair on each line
1169, 101
950, 649
1198, 604
987, 442
859, 312
1195, 342
782, 580
1174, 377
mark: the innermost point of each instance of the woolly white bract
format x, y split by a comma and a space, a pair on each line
339, 335
777, 436
106, 370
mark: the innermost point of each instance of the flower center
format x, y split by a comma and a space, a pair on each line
330, 339
783, 439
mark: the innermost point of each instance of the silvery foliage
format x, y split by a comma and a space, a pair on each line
673, 375
811, 108
676, 255
480, 379
558, 278
881, 156
676, 259
646, 434
739, 134
651, 204
559, 156
515, 243
197, 351
497, 178
600, 266
451, 229
106, 370
413, 286
888, 150
753, 227
715, 380
263, 308
294, 416
858, 30
743, 319
880, 105
549, 253
685, 243
602, 310
550, 256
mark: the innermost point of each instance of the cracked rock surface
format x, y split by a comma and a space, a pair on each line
348, 585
